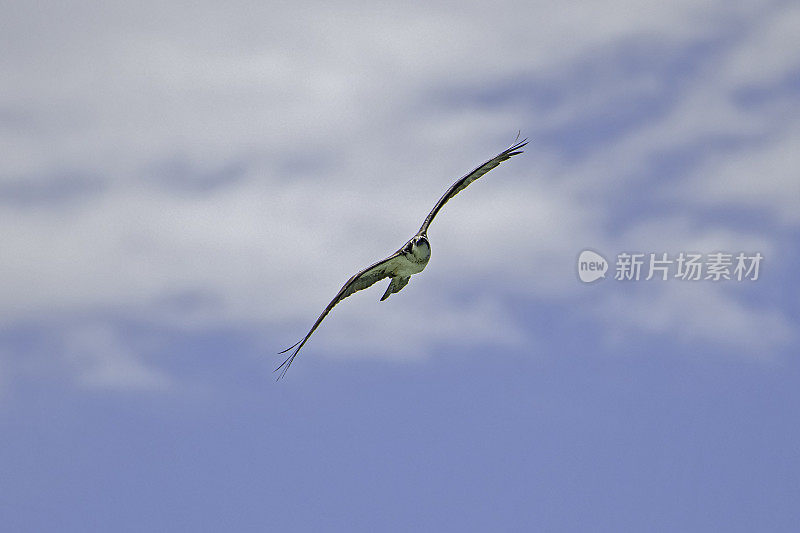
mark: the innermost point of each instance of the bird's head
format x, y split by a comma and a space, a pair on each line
418, 246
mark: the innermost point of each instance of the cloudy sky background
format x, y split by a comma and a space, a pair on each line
183, 188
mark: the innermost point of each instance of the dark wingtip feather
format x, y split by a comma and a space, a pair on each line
519, 145
514, 149
290, 347
288, 361
285, 365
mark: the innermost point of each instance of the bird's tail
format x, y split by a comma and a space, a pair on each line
395, 285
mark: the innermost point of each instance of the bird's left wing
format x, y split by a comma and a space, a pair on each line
476, 173
363, 279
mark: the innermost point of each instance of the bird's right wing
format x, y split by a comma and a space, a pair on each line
363, 279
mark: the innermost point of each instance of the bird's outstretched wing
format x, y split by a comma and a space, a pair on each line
366, 278
464, 181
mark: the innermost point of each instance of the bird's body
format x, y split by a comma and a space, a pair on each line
414, 257
411, 259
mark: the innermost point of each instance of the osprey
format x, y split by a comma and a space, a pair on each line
408, 260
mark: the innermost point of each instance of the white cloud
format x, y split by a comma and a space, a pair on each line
117, 88
681, 233
694, 311
770, 52
409, 326
335, 116
696, 314
763, 177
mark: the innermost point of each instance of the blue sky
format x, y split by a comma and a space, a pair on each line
184, 188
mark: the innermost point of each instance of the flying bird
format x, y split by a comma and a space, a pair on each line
410, 259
